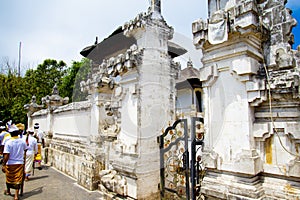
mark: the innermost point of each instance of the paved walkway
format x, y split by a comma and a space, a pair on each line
51, 184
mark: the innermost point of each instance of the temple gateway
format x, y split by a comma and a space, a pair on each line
153, 129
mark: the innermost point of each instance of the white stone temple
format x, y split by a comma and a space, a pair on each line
247, 92
250, 80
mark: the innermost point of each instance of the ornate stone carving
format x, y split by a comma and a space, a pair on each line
137, 22
284, 59
112, 181
239, 17
54, 101
104, 79
142, 20
277, 19
200, 32
155, 5
32, 106
211, 159
256, 88
82, 105
285, 81
108, 124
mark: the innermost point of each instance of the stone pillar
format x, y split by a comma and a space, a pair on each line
153, 94
231, 58
49, 123
29, 118
154, 110
94, 126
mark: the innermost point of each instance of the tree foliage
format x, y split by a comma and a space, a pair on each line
16, 91
12, 98
70, 85
40, 82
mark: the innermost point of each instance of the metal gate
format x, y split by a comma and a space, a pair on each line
179, 179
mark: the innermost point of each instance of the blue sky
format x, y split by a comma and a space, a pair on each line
294, 5
60, 29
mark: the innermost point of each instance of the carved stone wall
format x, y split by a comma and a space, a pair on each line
250, 80
250, 76
109, 142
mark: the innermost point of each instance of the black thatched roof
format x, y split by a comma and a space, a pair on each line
117, 43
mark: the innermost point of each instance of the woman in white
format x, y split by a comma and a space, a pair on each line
31, 143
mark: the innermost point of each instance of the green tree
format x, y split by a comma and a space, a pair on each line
5, 98
16, 91
12, 98
70, 85
40, 82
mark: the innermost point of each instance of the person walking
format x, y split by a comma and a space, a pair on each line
39, 135
31, 152
21, 127
13, 162
3, 133
4, 136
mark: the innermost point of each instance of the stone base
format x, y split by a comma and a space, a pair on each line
225, 185
75, 162
277, 187
107, 195
229, 185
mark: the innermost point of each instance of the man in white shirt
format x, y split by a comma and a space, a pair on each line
39, 135
13, 162
4, 136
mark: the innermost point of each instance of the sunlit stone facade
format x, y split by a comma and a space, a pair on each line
247, 91
250, 80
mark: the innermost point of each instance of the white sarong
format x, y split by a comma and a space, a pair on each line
29, 163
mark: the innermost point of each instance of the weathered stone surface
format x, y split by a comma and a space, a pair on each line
250, 91
109, 142
251, 100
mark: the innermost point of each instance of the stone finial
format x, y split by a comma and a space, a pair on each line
155, 9
53, 101
32, 106
55, 90
156, 6
189, 63
33, 99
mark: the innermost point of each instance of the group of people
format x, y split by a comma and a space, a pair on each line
19, 149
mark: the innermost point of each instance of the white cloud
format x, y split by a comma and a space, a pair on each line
61, 29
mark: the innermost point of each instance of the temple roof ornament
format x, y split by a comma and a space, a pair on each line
265, 24
54, 101
33, 106
109, 69
188, 75
156, 6
156, 9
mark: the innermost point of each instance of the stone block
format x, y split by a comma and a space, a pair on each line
247, 162
245, 65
